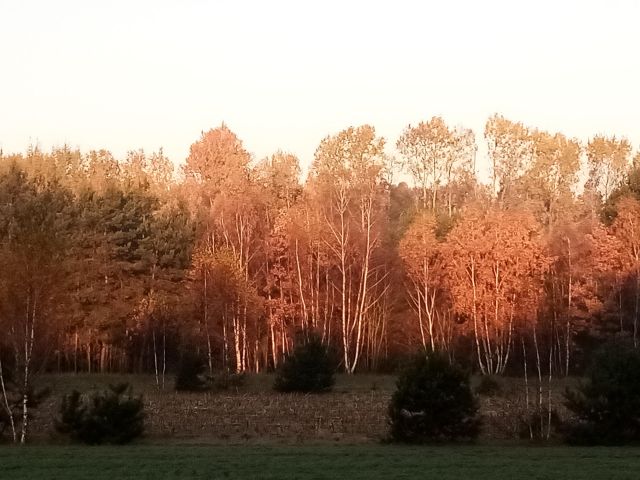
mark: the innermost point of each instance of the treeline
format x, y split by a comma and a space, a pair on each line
121, 265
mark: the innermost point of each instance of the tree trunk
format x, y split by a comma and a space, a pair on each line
164, 352
569, 300
89, 356
155, 358
26, 384
539, 368
549, 396
637, 307
303, 303
225, 342
6, 405
236, 342
475, 318
75, 353
206, 326
526, 389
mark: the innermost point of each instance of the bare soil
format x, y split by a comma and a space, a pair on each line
354, 412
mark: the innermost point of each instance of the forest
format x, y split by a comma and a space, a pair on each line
120, 265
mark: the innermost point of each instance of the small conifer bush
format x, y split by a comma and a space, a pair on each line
606, 406
309, 369
489, 386
190, 375
113, 416
227, 380
433, 402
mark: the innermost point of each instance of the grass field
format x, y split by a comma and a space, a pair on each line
317, 462
252, 432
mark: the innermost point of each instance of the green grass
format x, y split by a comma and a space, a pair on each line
316, 462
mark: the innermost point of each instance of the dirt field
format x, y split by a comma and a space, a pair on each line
354, 412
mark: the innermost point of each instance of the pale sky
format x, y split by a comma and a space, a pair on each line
133, 74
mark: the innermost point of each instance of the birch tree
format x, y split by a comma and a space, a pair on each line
427, 150
33, 221
346, 178
423, 262
626, 228
495, 268
608, 159
552, 176
225, 195
510, 152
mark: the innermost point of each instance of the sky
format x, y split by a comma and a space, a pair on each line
124, 75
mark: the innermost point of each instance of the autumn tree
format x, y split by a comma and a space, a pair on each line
234, 258
422, 258
546, 189
346, 182
626, 228
426, 148
278, 177
608, 159
303, 255
630, 187
34, 217
229, 303
571, 300
608, 275
510, 152
224, 195
461, 168
152, 173
495, 269
551, 176
102, 170
434, 153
